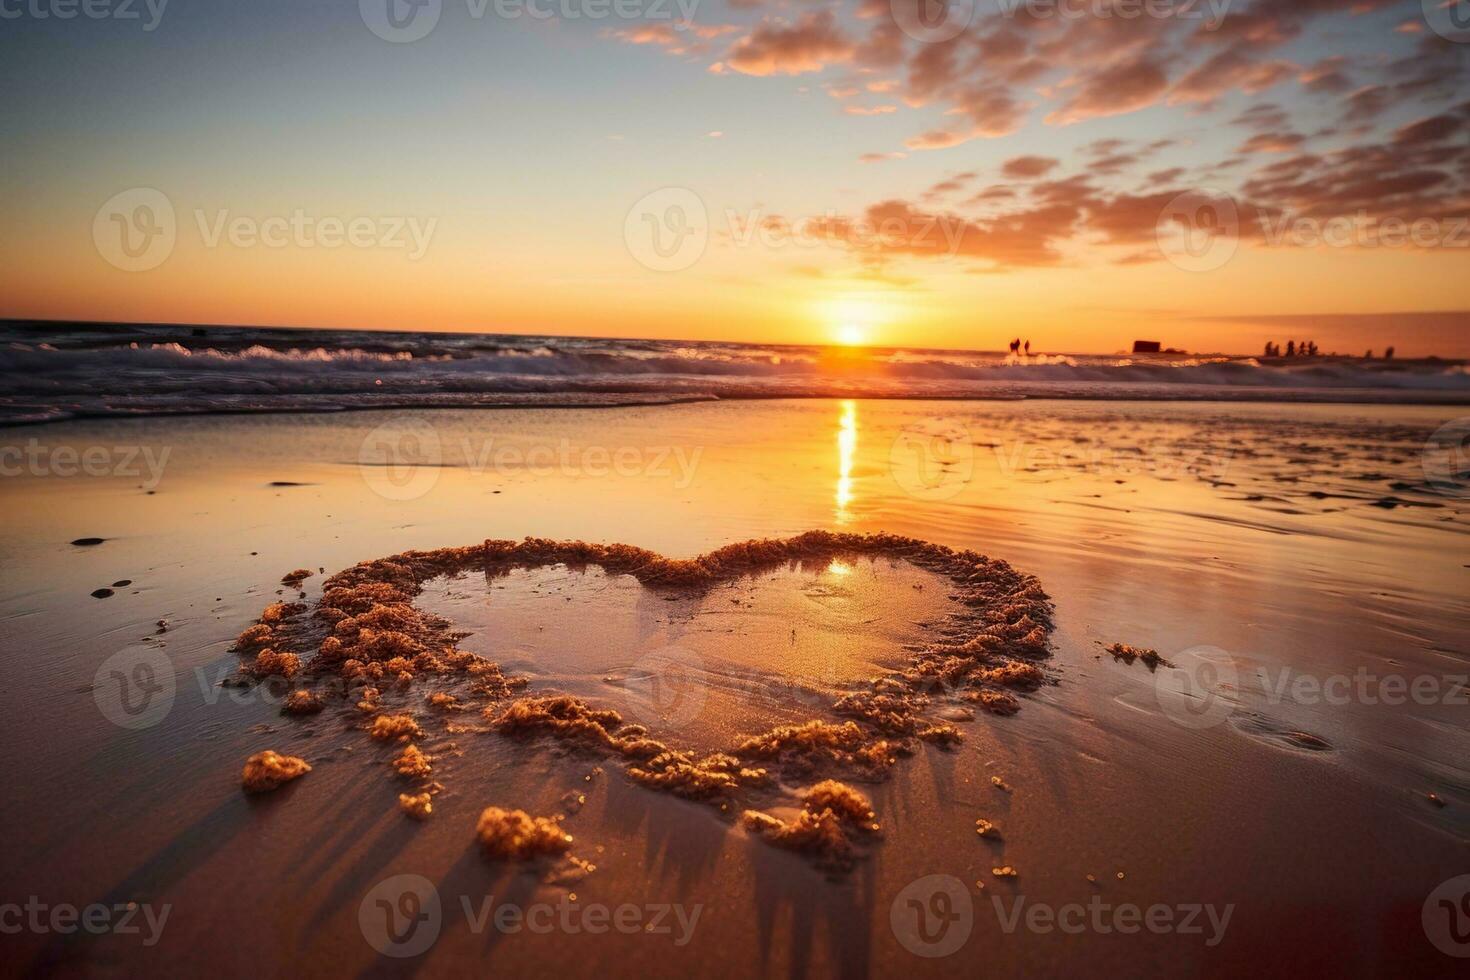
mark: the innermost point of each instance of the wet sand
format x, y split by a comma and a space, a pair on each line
1287, 545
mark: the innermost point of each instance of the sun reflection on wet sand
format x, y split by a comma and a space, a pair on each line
846, 448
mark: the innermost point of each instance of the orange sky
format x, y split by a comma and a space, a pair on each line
767, 174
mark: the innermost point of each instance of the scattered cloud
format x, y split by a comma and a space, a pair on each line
777, 47
1028, 166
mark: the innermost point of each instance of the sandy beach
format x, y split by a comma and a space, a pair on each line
1287, 787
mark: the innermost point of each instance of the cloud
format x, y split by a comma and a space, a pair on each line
1231, 70
938, 139
691, 39
1421, 173
1368, 102
779, 48
1027, 167
987, 81
1431, 130
1113, 164
1267, 23
992, 109
1122, 88
1326, 75
1263, 116
896, 228
949, 185
1272, 143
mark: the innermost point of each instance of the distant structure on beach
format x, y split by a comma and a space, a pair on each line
1147, 346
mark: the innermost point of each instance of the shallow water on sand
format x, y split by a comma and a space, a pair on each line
777, 648
1303, 567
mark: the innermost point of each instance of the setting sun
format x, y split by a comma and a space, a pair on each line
851, 335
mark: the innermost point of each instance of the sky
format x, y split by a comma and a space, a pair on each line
1081, 173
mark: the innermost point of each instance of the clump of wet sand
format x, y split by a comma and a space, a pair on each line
1150, 657
416, 805
412, 762
269, 663
515, 835
303, 702
834, 820
389, 727
268, 770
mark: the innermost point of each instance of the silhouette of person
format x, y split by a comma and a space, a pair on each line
1291, 348
1028, 348
1388, 353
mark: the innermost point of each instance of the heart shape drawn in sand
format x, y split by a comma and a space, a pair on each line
399, 666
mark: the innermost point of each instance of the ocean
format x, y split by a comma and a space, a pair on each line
55, 371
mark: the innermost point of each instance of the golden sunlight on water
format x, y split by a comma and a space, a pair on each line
846, 449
